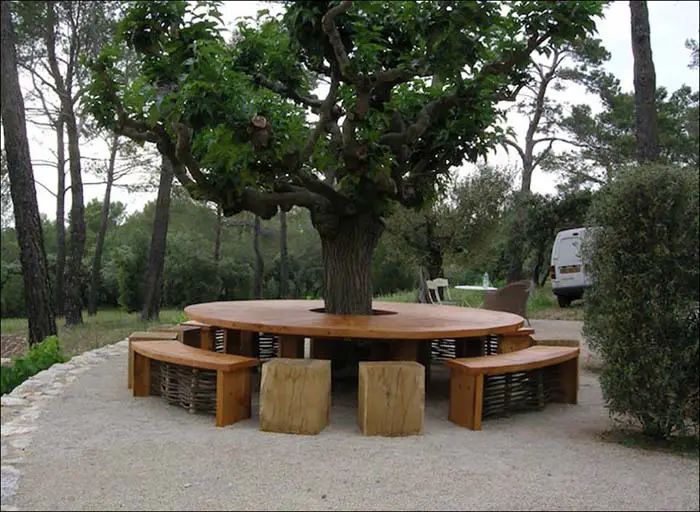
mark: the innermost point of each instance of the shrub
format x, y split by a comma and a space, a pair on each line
641, 310
40, 357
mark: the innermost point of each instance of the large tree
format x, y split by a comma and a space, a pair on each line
410, 90
644, 84
37, 292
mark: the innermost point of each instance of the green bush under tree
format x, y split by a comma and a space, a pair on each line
641, 310
40, 357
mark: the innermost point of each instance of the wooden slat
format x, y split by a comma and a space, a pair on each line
521, 360
178, 353
152, 335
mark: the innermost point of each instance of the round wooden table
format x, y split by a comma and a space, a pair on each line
406, 326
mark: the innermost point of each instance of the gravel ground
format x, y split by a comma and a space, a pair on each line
96, 447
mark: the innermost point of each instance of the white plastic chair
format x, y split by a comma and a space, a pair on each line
433, 294
440, 283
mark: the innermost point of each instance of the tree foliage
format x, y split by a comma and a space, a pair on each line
604, 142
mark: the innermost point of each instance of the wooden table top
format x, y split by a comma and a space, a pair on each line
404, 321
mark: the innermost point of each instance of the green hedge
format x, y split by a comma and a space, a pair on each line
40, 357
641, 310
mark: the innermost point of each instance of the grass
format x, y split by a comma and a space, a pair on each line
541, 305
108, 326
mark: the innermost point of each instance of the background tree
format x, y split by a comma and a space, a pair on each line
284, 257
5, 194
644, 84
604, 142
456, 224
104, 218
232, 120
54, 38
544, 115
692, 45
40, 313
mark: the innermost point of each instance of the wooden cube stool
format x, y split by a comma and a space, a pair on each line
145, 336
391, 398
295, 395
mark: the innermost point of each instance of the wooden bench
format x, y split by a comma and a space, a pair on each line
145, 336
467, 378
232, 374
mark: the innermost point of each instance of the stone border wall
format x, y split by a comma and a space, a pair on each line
21, 408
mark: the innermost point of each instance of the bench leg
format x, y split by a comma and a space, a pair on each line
466, 399
130, 369
232, 396
141, 375
569, 381
291, 346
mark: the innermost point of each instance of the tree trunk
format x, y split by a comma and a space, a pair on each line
434, 261
644, 84
259, 263
104, 221
60, 218
284, 259
156, 253
539, 265
76, 246
217, 238
347, 264
37, 290
73, 284
514, 247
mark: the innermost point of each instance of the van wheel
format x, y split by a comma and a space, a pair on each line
564, 302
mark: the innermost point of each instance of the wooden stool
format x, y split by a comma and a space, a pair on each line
391, 398
295, 395
145, 336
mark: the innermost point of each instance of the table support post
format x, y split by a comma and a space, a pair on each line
243, 343
291, 346
322, 348
469, 347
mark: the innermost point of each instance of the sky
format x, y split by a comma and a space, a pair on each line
671, 22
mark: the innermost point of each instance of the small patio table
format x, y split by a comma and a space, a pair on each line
406, 328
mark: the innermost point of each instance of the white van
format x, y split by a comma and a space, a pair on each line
567, 271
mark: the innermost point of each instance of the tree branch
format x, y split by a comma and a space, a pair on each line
329, 27
284, 90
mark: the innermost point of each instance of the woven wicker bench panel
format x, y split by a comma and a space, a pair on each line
198, 380
500, 384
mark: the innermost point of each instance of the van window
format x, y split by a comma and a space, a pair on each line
569, 250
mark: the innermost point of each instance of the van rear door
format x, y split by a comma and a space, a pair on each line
567, 261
